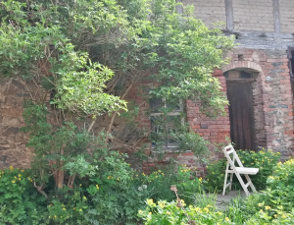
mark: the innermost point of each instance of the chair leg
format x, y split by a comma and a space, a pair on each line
226, 178
242, 184
225, 183
250, 183
231, 180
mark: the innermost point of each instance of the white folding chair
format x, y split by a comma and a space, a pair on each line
237, 170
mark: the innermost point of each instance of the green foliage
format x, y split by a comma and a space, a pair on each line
69, 209
242, 209
159, 182
171, 213
214, 179
280, 185
111, 193
193, 142
54, 147
119, 197
265, 217
19, 202
69, 50
116, 194
265, 160
272, 206
29, 38
186, 52
260, 208
80, 88
255, 210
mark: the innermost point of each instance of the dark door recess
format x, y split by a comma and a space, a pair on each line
291, 67
241, 114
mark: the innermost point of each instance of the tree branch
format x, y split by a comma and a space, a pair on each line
122, 97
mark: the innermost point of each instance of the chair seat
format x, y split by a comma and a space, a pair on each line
247, 170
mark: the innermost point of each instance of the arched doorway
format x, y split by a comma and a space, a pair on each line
241, 109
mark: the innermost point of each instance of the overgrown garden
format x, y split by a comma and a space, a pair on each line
79, 60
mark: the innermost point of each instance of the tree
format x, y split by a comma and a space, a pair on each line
79, 60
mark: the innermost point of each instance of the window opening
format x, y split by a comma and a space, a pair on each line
166, 119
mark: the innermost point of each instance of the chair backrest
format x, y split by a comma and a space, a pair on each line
228, 151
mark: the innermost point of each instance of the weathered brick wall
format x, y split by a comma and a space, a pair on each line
247, 15
273, 106
287, 16
209, 11
13, 150
252, 15
216, 130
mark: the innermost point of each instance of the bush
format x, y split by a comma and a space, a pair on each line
257, 209
265, 160
68, 209
275, 216
20, 203
214, 179
193, 142
280, 186
248, 211
111, 193
108, 188
242, 209
171, 213
159, 183
275, 205
116, 193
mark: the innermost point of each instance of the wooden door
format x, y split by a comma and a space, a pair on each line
241, 114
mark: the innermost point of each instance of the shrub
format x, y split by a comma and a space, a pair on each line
119, 198
265, 160
214, 179
172, 213
272, 216
68, 210
256, 210
159, 183
111, 193
108, 189
241, 209
20, 203
272, 206
281, 185
193, 142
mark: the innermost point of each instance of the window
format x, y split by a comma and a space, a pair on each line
166, 119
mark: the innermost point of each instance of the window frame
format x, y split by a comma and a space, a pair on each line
167, 146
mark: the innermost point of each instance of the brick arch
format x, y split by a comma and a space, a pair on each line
242, 65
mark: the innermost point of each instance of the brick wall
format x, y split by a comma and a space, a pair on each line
248, 15
209, 11
252, 15
13, 150
287, 16
273, 106
216, 130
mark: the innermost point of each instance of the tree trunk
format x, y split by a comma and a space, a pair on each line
60, 172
